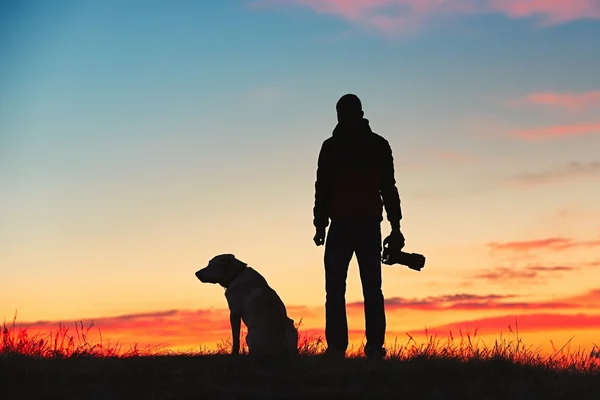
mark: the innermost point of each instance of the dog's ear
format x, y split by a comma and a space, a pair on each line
240, 263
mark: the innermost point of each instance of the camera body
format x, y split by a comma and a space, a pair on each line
413, 261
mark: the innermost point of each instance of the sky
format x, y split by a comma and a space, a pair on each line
138, 139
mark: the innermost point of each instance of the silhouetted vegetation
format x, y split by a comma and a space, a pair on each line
64, 364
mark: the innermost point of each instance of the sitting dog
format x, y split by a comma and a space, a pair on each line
252, 300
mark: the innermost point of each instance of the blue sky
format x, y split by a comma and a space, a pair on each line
140, 138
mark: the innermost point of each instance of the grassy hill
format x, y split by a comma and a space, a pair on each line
68, 367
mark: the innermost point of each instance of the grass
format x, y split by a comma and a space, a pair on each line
65, 365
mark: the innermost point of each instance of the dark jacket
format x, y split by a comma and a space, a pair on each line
355, 177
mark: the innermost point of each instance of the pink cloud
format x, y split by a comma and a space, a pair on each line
389, 16
394, 16
557, 131
569, 101
557, 243
552, 11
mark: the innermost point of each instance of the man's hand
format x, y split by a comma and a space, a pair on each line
319, 237
395, 239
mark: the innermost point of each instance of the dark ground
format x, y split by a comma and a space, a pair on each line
225, 377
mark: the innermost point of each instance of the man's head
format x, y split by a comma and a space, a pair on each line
222, 269
349, 108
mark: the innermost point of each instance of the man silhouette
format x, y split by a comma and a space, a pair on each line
355, 180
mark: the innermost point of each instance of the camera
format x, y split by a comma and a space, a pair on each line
413, 261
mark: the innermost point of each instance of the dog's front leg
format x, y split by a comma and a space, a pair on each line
236, 323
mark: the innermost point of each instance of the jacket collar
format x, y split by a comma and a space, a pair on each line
352, 128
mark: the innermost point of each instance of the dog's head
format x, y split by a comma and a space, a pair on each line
222, 269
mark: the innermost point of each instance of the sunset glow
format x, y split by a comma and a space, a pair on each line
137, 142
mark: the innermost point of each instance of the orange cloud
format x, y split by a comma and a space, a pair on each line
528, 273
589, 299
570, 101
526, 323
191, 329
556, 243
558, 131
592, 263
402, 16
172, 328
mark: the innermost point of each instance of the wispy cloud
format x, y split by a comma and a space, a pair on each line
538, 322
553, 243
529, 273
402, 16
566, 172
592, 263
545, 322
556, 131
589, 299
568, 101
469, 302
551, 12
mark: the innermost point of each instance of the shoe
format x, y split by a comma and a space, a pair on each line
375, 353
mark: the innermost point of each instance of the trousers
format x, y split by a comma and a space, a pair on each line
348, 236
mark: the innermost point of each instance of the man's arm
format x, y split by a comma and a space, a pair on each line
322, 188
389, 191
